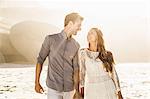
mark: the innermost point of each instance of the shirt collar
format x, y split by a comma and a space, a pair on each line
64, 35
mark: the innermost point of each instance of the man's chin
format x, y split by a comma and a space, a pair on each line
75, 33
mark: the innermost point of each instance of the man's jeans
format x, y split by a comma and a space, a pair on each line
53, 94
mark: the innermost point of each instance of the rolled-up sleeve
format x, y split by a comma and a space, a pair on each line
45, 49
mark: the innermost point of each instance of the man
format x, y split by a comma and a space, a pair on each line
63, 69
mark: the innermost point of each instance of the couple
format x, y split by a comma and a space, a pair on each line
74, 73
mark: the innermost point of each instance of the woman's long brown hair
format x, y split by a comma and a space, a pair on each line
105, 56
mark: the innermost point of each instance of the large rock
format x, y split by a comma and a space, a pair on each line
28, 36
8, 53
2, 58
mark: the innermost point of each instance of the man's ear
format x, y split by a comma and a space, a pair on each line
70, 23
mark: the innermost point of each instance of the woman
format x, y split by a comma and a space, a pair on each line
98, 78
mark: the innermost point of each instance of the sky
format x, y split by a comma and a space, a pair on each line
124, 23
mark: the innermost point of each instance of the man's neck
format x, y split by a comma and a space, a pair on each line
67, 32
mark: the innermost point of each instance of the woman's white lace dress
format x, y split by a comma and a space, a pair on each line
98, 84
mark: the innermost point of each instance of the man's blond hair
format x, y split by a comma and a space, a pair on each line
72, 17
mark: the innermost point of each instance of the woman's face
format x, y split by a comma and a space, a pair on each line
92, 36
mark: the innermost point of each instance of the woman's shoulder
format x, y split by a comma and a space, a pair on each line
82, 51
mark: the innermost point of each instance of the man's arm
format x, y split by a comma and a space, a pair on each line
77, 94
76, 80
45, 49
76, 76
76, 72
38, 87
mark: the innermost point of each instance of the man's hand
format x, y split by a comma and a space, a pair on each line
38, 88
77, 95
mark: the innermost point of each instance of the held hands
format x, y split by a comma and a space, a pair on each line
119, 95
38, 88
77, 95
82, 92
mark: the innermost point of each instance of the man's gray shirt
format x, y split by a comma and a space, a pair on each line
62, 55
